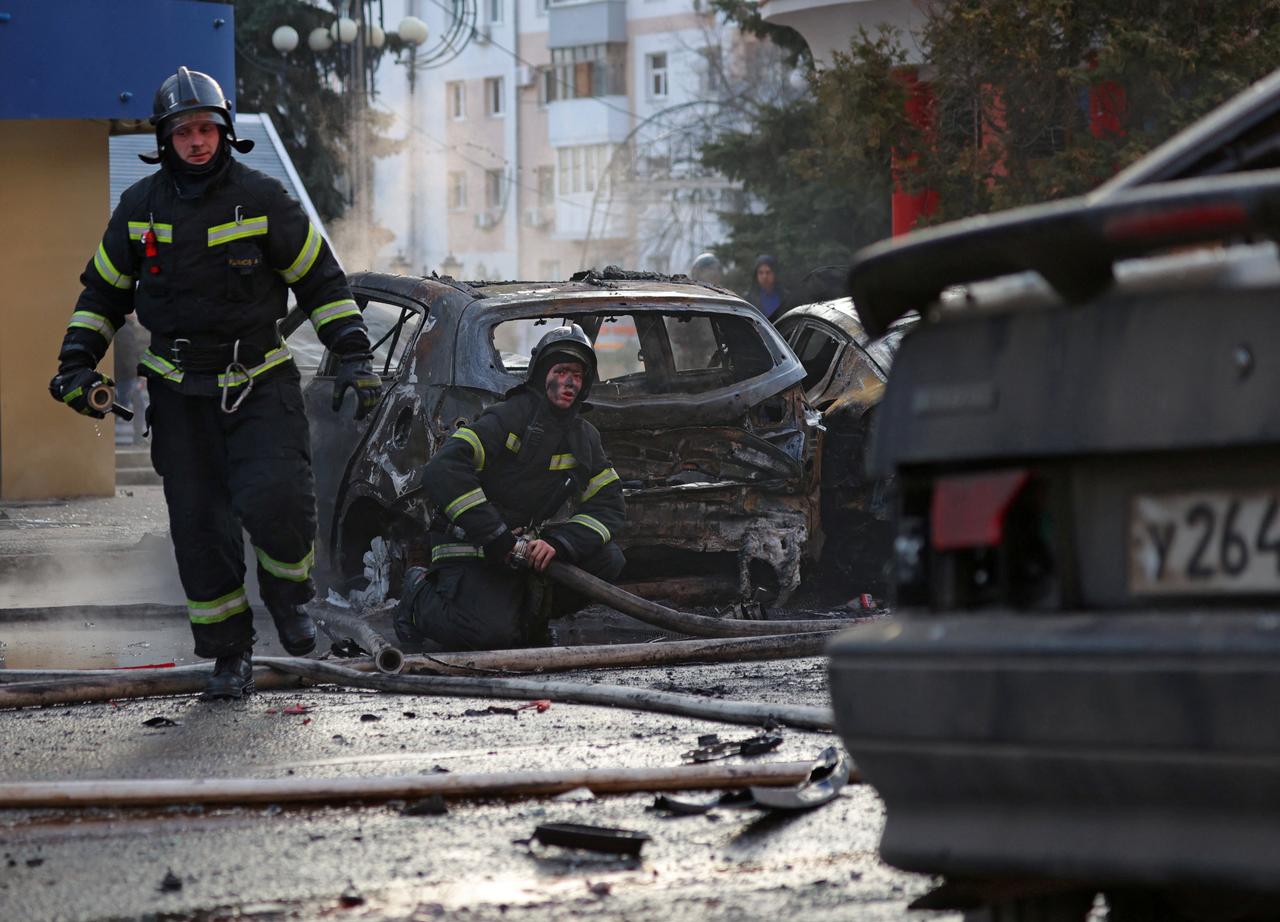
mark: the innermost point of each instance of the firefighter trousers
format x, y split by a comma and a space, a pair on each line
226, 474
473, 604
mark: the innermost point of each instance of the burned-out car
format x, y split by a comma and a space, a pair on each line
699, 405
1078, 694
844, 373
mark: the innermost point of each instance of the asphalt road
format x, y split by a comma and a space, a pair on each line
373, 862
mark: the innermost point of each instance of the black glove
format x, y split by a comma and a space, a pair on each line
71, 385
497, 549
356, 371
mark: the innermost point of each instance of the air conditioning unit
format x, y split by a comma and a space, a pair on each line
535, 217
524, 75
481, 34
485, 220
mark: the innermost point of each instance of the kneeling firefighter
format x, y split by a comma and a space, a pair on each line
495, 482
205, 250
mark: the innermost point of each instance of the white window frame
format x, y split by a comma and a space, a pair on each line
493, 182
457, 92
657, 79
495, 97
457, 191
497, 11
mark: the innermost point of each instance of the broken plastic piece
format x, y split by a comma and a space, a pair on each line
159, 722
829, 775
752, 746
606, 839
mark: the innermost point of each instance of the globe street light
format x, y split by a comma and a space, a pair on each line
284, 39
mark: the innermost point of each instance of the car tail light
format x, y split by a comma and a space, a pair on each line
968, 510
1176, 222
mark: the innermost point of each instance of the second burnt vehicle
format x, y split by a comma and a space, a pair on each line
1078, 694
699, 405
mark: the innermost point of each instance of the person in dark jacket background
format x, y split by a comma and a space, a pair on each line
205, 250
496, 481
766, 292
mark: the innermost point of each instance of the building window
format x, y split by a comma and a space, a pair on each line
546, 186
493, 189
711, 71
496, 10
542, 7
588, 70
495, 102
546, 85
583, 168
456, 93
656, 74
457, 191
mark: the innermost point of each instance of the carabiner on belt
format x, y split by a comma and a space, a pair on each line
235, 368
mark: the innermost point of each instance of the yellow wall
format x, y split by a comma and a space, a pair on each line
53, 199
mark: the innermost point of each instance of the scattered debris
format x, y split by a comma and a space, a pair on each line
491, 709
576, 796
159, 722
351, 896
434, 805
369, 718
171, 882
830, 773
607, 839
296, 709
600, 888
714, 748
541, 705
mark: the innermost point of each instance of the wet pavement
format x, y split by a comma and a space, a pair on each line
371, 861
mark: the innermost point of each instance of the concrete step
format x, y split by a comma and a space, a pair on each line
137, 476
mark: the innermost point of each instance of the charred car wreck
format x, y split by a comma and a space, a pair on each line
699, 405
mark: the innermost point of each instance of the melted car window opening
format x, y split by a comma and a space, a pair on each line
649, 353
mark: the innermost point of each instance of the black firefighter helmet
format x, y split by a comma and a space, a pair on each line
563, 344
192, 91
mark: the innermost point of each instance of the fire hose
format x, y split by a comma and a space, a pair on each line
102, 398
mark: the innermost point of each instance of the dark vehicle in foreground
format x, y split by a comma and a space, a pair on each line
699, 406
1079, 692
844, 373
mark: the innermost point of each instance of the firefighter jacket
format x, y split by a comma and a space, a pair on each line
213, 270
513, 467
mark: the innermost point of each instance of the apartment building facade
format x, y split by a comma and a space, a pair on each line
564, 135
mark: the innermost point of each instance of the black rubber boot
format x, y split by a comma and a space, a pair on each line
296, 629
232, 676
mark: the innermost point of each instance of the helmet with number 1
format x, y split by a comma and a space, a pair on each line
563, 344
187, 93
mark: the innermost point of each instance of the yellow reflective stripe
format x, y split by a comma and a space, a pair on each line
295, 572
306, 258
565, 462
90, 321
513, 442
593, 523
73, 395
445, 551
598, 483
110, 274
164, 232
237, 230
220, 609
477, 447
468, 500
270, 360
332, 311
162, 367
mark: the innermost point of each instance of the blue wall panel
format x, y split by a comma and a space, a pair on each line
105, 58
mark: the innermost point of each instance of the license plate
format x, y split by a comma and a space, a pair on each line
1196, 543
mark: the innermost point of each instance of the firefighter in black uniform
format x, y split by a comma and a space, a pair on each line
497, 481
205, 250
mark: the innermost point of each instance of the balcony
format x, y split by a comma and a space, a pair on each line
593, 120
588, 22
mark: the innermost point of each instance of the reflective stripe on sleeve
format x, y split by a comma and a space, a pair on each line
565, 462
447, 551
110, 274
294, 572
513, 442
598, 483
468, 500
236, 230
306, 258
164, 232
477, 447
334, 310
593, 523
219, 609
89, 321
